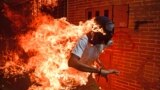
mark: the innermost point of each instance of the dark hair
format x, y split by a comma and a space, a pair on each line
105, 23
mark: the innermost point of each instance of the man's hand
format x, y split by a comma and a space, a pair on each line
104, 72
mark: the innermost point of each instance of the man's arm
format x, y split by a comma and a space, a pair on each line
75, 63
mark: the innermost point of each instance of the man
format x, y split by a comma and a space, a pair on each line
87, 51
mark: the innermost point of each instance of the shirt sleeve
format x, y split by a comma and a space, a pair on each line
80, 46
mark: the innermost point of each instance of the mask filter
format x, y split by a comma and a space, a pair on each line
101, 47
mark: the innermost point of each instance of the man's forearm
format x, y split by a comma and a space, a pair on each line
75, 63
86, 68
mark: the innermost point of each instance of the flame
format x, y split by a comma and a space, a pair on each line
49, 44
36, 5
53, 41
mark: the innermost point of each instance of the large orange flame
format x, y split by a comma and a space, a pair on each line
49, 44
53, 41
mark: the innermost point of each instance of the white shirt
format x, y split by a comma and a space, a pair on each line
87, 52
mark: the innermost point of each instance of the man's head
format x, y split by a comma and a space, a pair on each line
108, 28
